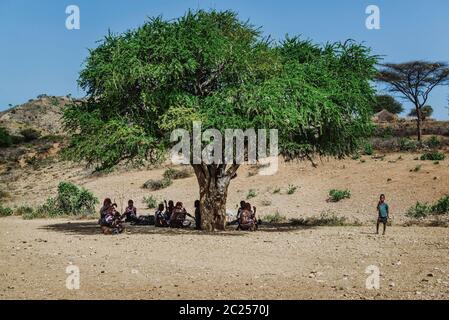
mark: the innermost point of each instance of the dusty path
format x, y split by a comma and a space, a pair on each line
148, 263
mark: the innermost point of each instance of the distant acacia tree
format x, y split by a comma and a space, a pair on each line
387, 102
211, 67
414, 81
426, 112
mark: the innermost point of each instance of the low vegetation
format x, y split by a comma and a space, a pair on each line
291, 189
252, 193
336, 195
433, 156
174, 174
5, 211
274, 218
368, 149
422, 210
157, 184
326, 218
71, 200
150, 201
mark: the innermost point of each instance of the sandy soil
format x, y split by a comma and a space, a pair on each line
149, 263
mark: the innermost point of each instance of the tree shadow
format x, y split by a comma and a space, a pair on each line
92, 228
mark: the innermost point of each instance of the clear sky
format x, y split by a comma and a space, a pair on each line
39, 55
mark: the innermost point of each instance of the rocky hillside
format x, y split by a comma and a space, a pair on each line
42, 114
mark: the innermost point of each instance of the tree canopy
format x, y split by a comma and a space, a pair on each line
414, 80
426, 112
214, 68
387, 102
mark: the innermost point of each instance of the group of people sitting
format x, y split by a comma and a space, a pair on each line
168, 214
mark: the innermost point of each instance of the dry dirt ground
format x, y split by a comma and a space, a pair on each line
147, 263
273, 263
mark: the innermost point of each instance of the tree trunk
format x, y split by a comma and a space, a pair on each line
419, 123
213, 181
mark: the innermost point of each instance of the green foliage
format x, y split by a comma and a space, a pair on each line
252, 193
5, 138
157, 184
325, 219
406, 144
210, 66
336, 195
54, 101
274, 218
30, 134
368, 149
433, 156
177, 174
388, 103
291, 189
23, 210
417, 168
5, 211
433, 142
70, 200
150, 201
420, 210
441, 206
426, 112
74, 200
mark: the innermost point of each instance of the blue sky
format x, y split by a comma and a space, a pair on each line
39, 55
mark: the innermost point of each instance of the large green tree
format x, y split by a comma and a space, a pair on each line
214, 68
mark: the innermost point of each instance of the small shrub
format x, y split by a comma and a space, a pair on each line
54, 101
291, 189
326, 218
49, 209
368, 149
336, 195
23, 210
355, 157
406, 144
416, 169
70, 200
433, 142
434, 156
177, 174
251, 194
441, 206
34, 214
420, 210
274, 218
277, 190
150, 201
30, 134
157, 184
5, 211
5, 138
